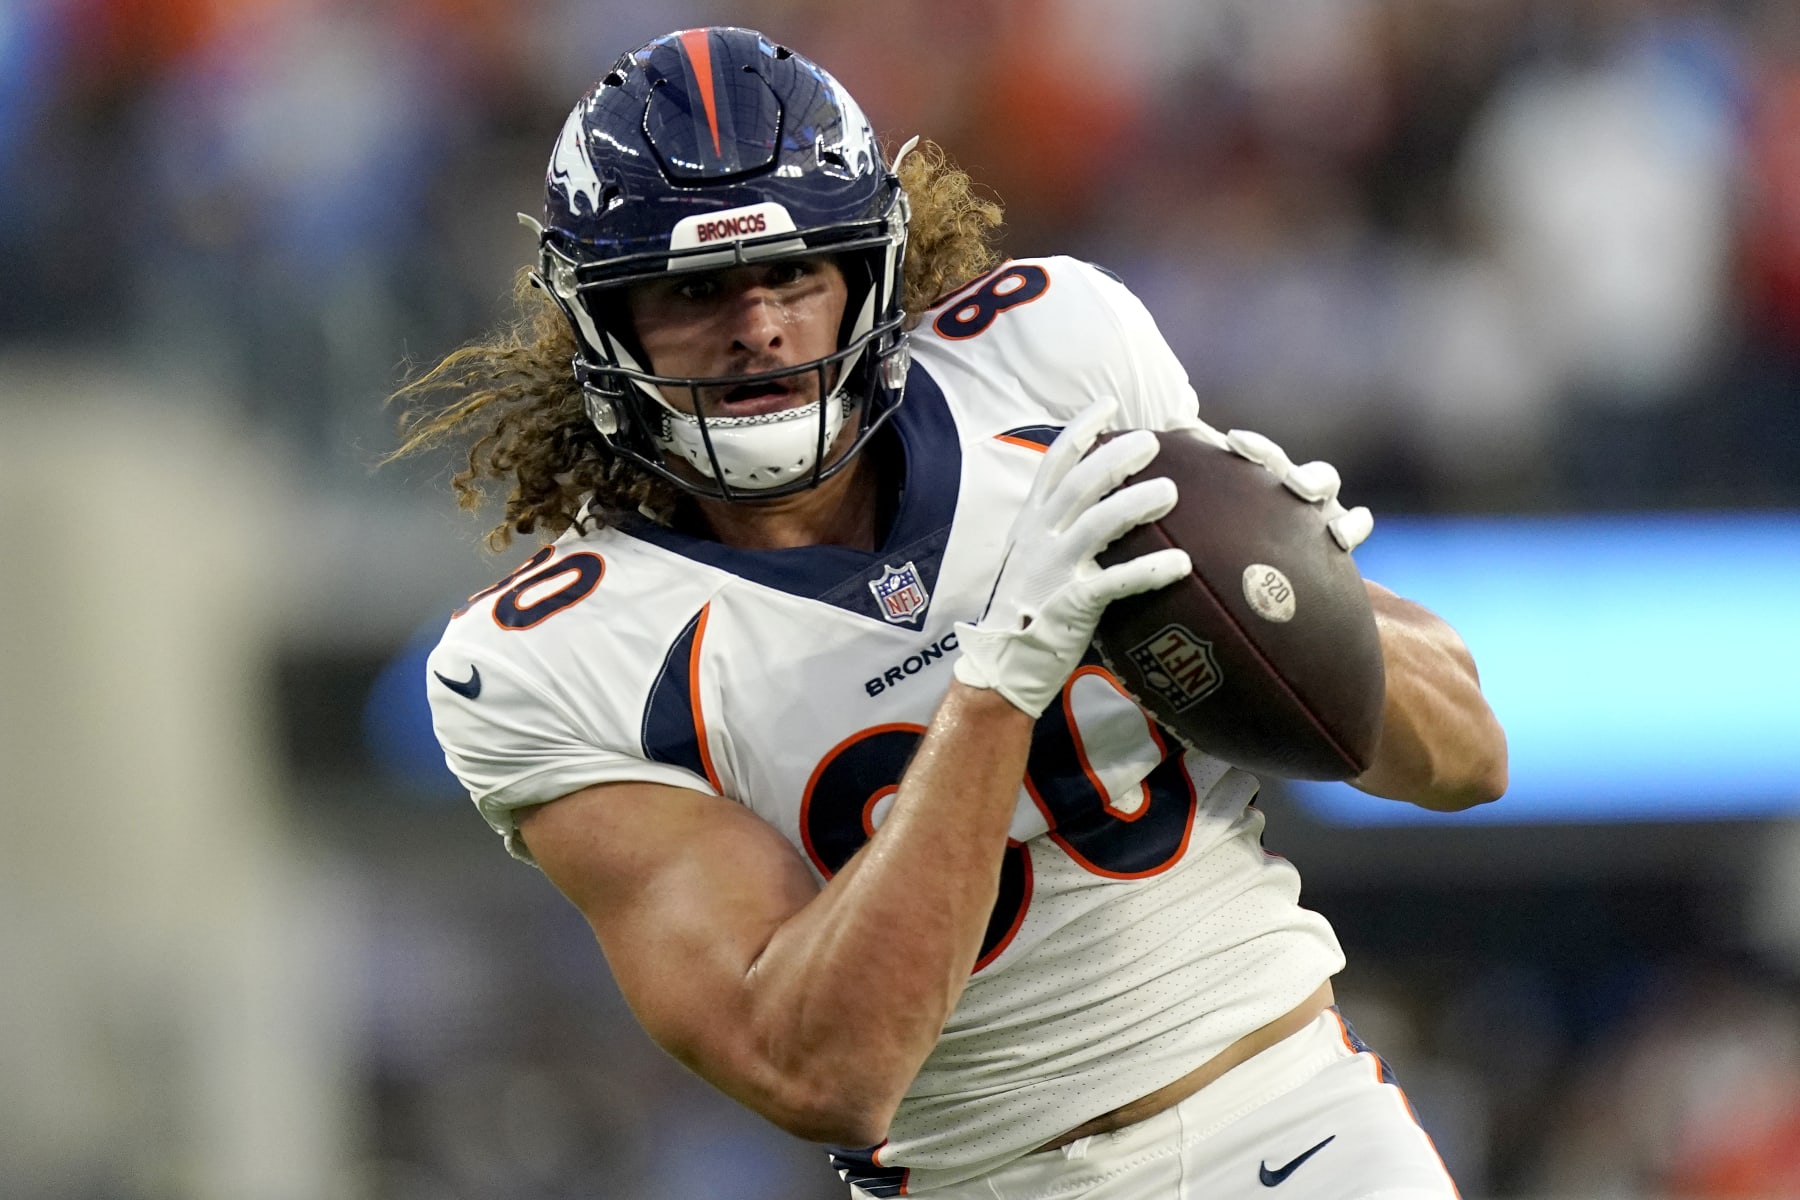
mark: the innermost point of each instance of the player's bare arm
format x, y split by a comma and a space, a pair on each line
1441, 745
813, 1006
817, 1006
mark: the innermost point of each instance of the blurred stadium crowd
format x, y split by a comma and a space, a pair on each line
1486, 255
1494, 253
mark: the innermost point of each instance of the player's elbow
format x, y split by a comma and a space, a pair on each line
1465, 794
816, 1095
1479, 776
837, 1129
1491, 782
832, 1112
1442, 773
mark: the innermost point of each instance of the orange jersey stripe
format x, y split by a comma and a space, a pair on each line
712, 776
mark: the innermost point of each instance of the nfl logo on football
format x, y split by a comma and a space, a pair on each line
901, 594
1178, 665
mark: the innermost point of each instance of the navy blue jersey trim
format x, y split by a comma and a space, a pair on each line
1037, 435
858, 1167
839, 575
668, 732
1362, 1047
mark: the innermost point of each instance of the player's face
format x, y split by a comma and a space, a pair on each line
741, 320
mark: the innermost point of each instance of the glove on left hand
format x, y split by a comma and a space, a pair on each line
1051, 592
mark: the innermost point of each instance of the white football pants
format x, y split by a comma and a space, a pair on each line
1316, 1116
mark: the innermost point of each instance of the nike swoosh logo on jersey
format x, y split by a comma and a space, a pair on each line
1279, 1174
468, 688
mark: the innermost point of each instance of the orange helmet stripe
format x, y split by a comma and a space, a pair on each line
694, 42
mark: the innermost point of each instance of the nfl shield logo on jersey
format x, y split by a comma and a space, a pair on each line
901, 594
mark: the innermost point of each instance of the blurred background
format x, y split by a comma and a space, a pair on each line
1527, 271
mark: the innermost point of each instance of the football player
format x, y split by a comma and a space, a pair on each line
798, 706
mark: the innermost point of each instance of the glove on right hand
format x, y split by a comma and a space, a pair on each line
1316, 482
1051, 592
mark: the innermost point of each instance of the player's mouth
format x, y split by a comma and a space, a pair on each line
767, 396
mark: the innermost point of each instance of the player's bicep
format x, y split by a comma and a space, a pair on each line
683, 891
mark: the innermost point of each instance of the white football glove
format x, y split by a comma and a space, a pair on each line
1051, 592
1314, 481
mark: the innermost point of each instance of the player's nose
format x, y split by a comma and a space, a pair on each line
757, 318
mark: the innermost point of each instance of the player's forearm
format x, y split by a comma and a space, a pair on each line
1441, 746
854, 989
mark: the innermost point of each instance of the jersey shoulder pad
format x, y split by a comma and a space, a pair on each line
540, 684
1067, 332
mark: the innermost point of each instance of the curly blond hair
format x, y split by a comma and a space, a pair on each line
513, 397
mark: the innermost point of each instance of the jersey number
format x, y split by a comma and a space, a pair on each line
1020, 283
528, 595
1142, 835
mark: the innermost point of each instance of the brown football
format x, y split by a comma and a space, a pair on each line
1267, 655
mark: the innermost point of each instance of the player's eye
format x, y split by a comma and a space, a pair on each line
792, 271
700, 287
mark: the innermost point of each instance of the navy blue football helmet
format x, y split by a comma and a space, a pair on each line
703, 150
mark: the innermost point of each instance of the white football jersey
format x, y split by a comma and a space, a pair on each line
1140, 928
